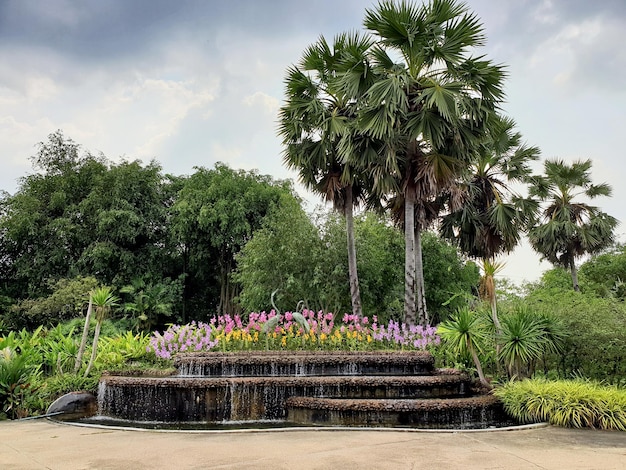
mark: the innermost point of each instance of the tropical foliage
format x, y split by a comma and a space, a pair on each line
571, 403
570, 229
493, 215
429, 103
314, 121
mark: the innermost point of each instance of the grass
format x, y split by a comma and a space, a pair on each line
568, 403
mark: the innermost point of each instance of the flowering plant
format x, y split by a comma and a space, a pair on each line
190, 337
307, 330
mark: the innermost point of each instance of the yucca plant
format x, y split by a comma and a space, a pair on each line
466, 333
488, 288
522, 341
83, 342
103, 301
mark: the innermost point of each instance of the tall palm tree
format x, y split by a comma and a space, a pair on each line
429, 105
313, 122
570, 229
493, 215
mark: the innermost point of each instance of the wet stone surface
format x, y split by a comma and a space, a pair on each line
332, 388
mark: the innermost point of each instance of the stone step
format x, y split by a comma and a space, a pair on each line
257, 398
304, 363
479, 412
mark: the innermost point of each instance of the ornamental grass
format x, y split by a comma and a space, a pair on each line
569, 403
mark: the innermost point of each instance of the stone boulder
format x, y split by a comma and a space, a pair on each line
74, 405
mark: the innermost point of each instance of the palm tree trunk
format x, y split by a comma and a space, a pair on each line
574, 272
83, 341
94, 347
352, 269
420, 291
409, 256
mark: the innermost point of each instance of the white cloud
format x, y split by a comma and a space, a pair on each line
267, 103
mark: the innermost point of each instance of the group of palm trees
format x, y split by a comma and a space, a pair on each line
404, 119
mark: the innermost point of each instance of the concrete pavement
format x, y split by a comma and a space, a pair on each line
42, 444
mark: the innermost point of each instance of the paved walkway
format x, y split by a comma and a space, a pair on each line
41, 444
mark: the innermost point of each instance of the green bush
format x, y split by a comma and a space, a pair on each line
569, 403
595, 346
18, 375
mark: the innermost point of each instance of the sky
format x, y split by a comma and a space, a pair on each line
193, 82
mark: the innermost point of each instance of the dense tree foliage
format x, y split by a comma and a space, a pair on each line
310, 264
169, 242
605, 274
214, 216
596, 345
83, 215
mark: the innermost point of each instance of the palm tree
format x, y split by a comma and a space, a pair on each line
103, 301
429, 105
493, 216
570, 229
147, 302
313, 122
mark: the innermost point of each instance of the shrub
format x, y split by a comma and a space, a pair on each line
17, 377
570, 403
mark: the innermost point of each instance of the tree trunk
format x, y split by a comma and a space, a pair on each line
574, 272
479, 369
94, 348
489, 282
225, 294
420, 291
352, 268
83, 341
409, 256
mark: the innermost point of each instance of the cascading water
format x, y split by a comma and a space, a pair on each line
329, 388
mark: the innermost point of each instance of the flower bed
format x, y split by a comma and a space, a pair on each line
291, 331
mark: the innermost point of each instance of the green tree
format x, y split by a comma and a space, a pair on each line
595, 347
429, 104
66, 301
82, 215
42, 226
285, 256
605, 274
126, 213
314, 122
214, 216
570, 229
493, 216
